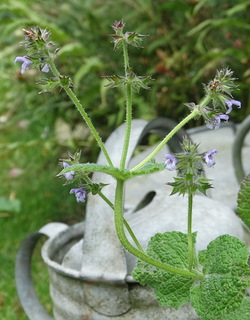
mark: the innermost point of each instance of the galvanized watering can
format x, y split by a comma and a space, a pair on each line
90, 273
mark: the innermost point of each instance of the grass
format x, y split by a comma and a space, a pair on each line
43, 199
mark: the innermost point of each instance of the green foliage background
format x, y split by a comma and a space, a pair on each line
188, 40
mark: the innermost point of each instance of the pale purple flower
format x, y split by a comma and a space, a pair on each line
68, 175
26, 63
79, 193
215, 122
231, 103
45, 68
208, 157
170, 162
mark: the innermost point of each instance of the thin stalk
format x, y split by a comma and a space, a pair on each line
83, 113
130, 231
128, 246
125, 57
128, 96
192, 115
90, 182
128, 126
106, 199
190, 239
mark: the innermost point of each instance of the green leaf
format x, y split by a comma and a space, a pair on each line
171, 290
225, 255
222, 289
7, 205
243, 208
242, 313
149, 167
217, 295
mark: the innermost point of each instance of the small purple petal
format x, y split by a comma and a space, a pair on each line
68, 175
26, 63
79, 193
230, 103
208, 157
45, 68
215, 123
170, 162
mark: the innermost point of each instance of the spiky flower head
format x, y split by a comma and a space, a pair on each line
189, 167
218, 101
131, 38
38, 49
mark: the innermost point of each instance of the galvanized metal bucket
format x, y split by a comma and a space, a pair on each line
90, 273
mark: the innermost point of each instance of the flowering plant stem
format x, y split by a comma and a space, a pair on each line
128, 96
119, 225
83, 113
192, 115
191, 251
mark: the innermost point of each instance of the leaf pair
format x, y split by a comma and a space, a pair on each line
219, 294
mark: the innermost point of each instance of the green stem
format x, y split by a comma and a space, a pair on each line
125, 57
83, 113
192, 115
90, 182
127, 226
128, 246
128, 126
190, 239
106, 199
128, 96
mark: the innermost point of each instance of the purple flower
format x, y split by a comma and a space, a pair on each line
68, 175
170, 162
26, 63
208, 157
231, 103
45, 68
79, 193
215, 122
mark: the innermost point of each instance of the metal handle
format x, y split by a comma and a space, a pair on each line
24, 284
237, 148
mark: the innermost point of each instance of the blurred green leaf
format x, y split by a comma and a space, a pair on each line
7, 205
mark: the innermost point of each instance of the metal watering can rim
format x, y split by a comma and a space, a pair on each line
61, 238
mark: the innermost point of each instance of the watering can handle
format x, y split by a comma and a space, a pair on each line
238, 144
24, 284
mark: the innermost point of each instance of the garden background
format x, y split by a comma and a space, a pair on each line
187, 41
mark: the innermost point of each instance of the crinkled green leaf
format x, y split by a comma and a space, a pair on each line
149, 167
171, 290
242, 313
217, 295
225, 266
225, 255
243, 208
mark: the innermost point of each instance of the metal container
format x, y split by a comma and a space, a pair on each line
90, 273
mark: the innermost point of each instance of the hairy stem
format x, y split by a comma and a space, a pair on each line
192, 115
130, 231
190, 239
128, 246
83, 113
128, 96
